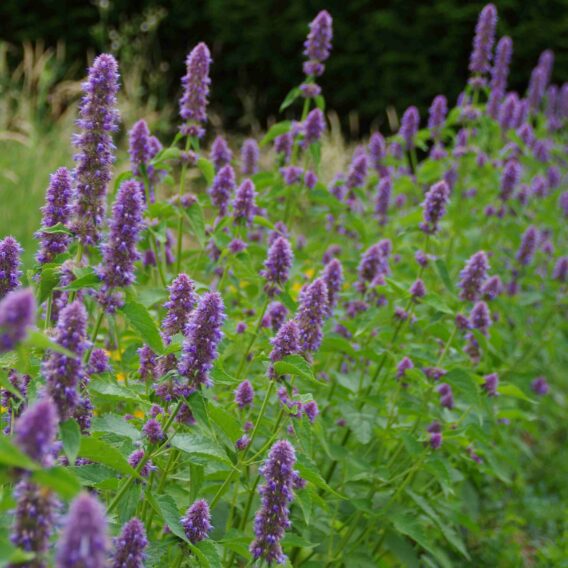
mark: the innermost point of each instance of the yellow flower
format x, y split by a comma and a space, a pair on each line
310, 272
120, 377
139, 414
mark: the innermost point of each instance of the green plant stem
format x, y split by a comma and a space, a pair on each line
94, 336
180, 194
252, 339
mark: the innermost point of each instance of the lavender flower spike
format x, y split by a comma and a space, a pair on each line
244, 202
483, 41
377, 150
382, 199
318, 44
179, 306
202, 336
17, 314
409, 126
333, 278
36, 429
84, 540
438, 111
528, 246
129, 547
63, 374
98, 120
10, 251
311, 313
473, 276
57, 209
139, 147
244, 394
249, 157
277, 266
220, 154
286, 342
193, 104
272, 519
434, 206
490, 384
500, 71
314, 127
196, 522
223, 187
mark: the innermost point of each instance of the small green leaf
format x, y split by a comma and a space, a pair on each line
58, 229
60, 479
290, 98
442, 270
115, 424
514, 391
276, 130
49, 279
142, 321
11, 455
298, 366
99, 451
171, 515
88, 280
309, 471
71, 438
198, 446
196, 220
207, 169
39, 340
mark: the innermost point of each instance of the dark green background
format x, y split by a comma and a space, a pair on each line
396, 52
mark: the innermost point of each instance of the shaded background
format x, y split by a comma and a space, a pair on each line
393, 52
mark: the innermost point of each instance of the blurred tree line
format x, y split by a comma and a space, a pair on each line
388, 52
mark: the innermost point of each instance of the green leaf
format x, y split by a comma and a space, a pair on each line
309, 471
290, 98
228, 424
60, 479
171, 515
298, 366
39, 340
276, 130
442, 270
210, 551
49, 279
12, 456
463, 382
115, 424
142, 321
514, 391
165, 155
99, 451
196, 220
336, 344
113, 390
207, 169
434, 301
198, 446
88, 280
71, 438
58, 229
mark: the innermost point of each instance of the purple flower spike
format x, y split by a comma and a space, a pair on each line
438, 111
314, 126
374, 264
277, 266
179, 306
500, 70
84, 540
509, 179
382, 199
540, 386
57, 209
311, 313
480, 317
223, 187
10, 251
490, 384
446, 396
435, 440
528, 246
98, 119
333, 278
291, 174
283, 146
492, 288
193, 104
537, 86
357, 173
99, 362
560, 271
17, 314
196, 522
311, 410
136, 457
418, 290
244, 394
35, 431
153, 431
317, 46
275, 316
244, 203
377, 151
221, 154
404, 365
473, 276
434, 206
286, 342
483, 41
202, 336
409, 124
148, 368
120, 252
139, 147
546, 63
249, 157
272, 519
509, 111
130, 546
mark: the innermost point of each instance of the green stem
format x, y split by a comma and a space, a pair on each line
253, 339
180, 194
95, 333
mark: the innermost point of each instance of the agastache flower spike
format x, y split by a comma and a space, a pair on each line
193, 104
405, 365
17, 314
434, 206
272, 519
409, 126
438, 111
139, 147
98, 120
333, 278
318, 44
382, 199
57, 209
220, 154
277, 266
509, 179
10, 251
99, 362
130, 546
84, 540
244, 394
480, 317
286, 342
311, 313
473, 276
374, 263
148, 368
197, 521
179, 306
500, 70
537, 86
314, 126
249, 157
492, 288
528, 246
36, 429
244, 202
490, 384
560, 271
377, 151
202, 336
63, 374
483, 41
275, 316
223, 187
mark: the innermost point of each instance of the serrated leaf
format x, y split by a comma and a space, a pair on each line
336, 343
101, 452
298, 366
207, 169
114, 424
277, 129
196, 220
198, 446
88, 280
39, 340
49, 279
463, 382
171, 515
309, 471
142, 321
71, 438
442, 270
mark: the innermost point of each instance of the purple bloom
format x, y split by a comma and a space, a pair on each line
434, 373
244, 394
492, 288
275, 316
277, 266
242, 443
237, 246
249, 157
537, 86
220, 154
57, 209
314, 126
311, 410
10, 401
181, 302
193, 104
283, 146
244, 203
98, 120
540, 386
490, 384
120, 252
438, 111
286, 342
318, 43
421, 258
137, 457
99, 362
84, 540
310, 179
446, 396
17, 314
483, 41
223, 187
418, 290
196, 522
500, 72
528, 246
129, 547
560, 271
404, 365
333, 278
357, 173
241, 327
291, 174
36, 429
311, 313
480, 317
272, 519
202, 336
546, 63
434, 206
509, 179
473, 276
10, 251
64, 374
409, 124
139, 147
377, 150
153, 431
508, 111
382, 199
148, 364
374, 263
